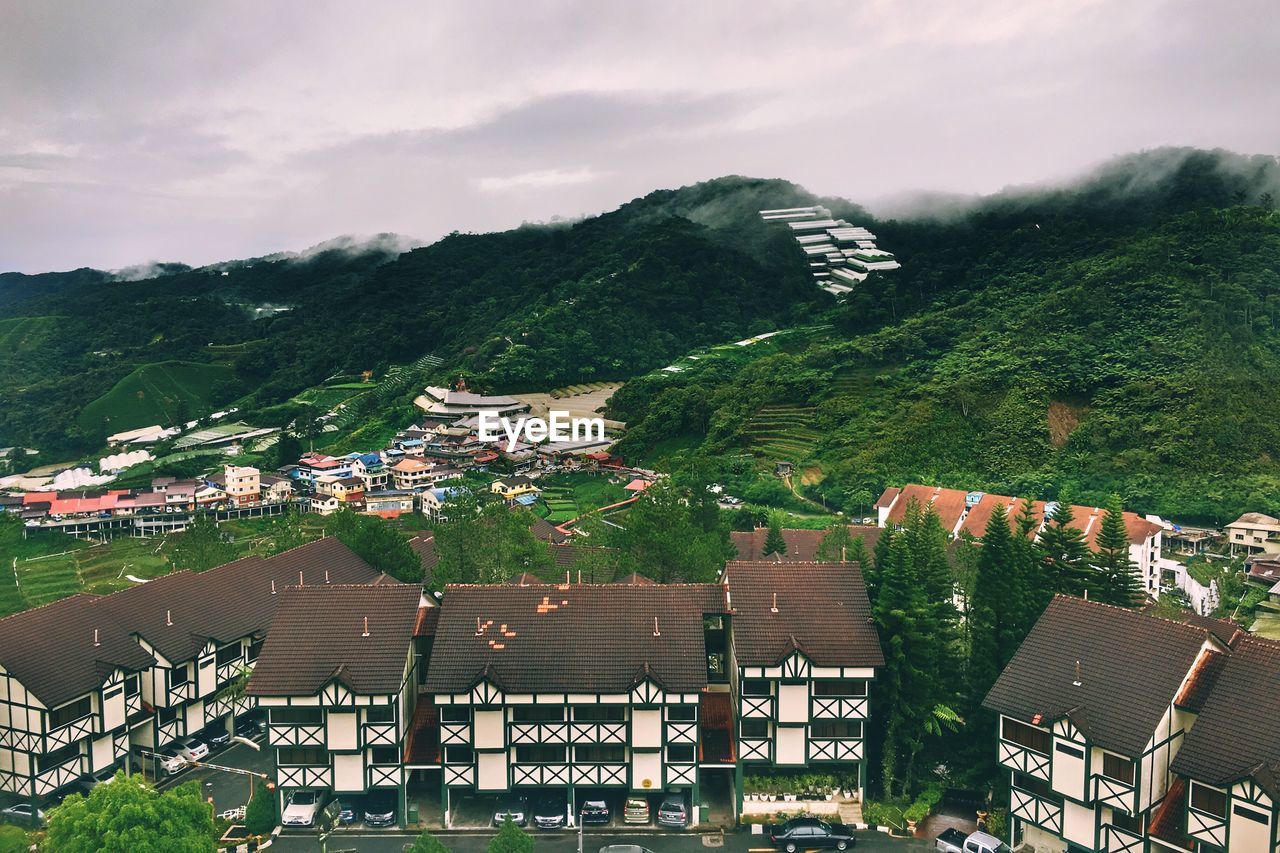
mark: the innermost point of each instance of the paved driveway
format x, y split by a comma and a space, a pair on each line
229, 790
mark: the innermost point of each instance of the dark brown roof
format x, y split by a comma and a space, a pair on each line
802, 545
1236, 735
1223, 629
319, 635
822, 610
50, 649
579, 637
545, 530
424, 545
176, 614
1131, 667
567, 554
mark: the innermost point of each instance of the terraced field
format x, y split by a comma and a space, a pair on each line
783, 432
153, 393
561, 503
20, 334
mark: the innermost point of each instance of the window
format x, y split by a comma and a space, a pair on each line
1117, 767
57, 758
1250, 814
302, 756
1034, 739
682, 713
230, 654
379, 714
600, 713
131, 686
600, 754
755, 687
755, 727
384, 755
458, 755
540, 755
254, 650
455, 714
1208, 800
836, 728
681, 753
108, 695
1039, 787
296, 716
168, 715
59, 717
1132, 823
1068, 750
178, 676
537, 713
843, 687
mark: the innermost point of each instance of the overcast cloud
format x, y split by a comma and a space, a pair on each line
132, 132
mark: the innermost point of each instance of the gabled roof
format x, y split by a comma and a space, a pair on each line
577, 638
802, 545
1236, 735
355, 634
424, 545
822, 610
1131, 668
546, 531
51, 650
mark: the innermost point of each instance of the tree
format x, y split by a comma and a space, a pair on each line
511, 839
130, 816
287, 532
262, 814
662, 541
1063, 552
377, 543
426, 843
13, 839
773, 541
201, 546
835, 545
288, 449
1116, 579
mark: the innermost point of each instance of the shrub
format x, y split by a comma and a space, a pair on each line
260, 815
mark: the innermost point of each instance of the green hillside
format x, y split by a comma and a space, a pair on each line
23, 334
161, 393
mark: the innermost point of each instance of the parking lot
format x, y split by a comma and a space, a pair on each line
476, 811
229, 790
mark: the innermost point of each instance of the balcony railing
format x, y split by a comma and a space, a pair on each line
754, 749
460, 774
1206, 827
838, 708
455, 733
1024, 760
278, 735
598, 732
380, 734
55, 777
77, 729
305, 777
540, 774
598, 774
1033, 808
381, 776
554, 733
682, 774
683, 732
835, 749
757, 706
1117, 840
1113, 793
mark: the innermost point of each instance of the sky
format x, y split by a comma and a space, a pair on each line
158, 131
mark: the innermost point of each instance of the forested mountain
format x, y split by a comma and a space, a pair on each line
1119, 333
1122, 336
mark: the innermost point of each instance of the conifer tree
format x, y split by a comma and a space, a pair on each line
773, 541
1116, 580
1063, 552
835, 545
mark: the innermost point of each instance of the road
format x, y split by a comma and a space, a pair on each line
566, 842
229, 790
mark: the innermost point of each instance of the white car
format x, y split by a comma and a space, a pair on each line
192, 749
21, 814
171, 762
301, 809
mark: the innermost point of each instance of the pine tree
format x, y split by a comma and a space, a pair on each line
1116, 579
511, 839
426, 843
773, 541
835, 545
1063, 552
857, 552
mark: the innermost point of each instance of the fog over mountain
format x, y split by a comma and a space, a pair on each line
162, 132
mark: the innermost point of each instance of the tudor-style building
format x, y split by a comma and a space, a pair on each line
337, 675
1093, 709
803, 654
580, 686
1226, 792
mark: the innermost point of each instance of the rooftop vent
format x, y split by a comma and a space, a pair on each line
656, 632
96, 643
1079, 677
366, 627
774, 608
168, 617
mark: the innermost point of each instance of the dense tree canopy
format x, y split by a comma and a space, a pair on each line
128, 815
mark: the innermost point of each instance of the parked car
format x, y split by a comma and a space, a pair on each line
350, 809
955, 841
170, 761
636, 810
625, 848
380, 809
191, 748
673, 812
515, 806
808, 833
216, 736
21, 814
595, 810
301, 809
251, 726
549, 811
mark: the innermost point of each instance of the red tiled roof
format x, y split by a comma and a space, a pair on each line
802, 545
715, 728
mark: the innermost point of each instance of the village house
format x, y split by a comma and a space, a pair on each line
323, 504
389, 503
337, 677
515, 489
372, 470
411, 474
1254, 533
242, 485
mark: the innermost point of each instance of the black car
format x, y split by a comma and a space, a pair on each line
550, 810
595, 810
251, 726
808, 833
380, 809
216, 736
350, 809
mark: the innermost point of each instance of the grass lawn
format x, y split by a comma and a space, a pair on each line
567, 496
152, 394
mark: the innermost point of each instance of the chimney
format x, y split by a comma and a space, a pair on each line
479, 627
168, 617
299, 577
366, 627
326, 575
843, 556
656, 632
579, 577
1079, 678
273, 586
774, 608
95, 638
